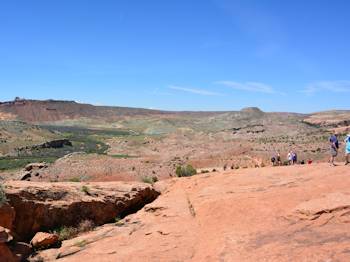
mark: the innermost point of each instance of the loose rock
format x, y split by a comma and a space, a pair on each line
5, 235
44, 240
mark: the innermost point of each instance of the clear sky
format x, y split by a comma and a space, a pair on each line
178, 54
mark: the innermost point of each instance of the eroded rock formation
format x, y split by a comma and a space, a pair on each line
297, 213
47, 206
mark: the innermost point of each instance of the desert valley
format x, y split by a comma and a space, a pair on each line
96, 183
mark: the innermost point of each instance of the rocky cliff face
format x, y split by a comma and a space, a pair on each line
47, 206
34, 207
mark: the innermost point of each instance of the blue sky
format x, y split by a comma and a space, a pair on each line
178, 55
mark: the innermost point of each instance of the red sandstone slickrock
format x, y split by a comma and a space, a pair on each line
296, 213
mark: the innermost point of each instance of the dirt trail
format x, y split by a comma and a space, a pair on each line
298, 213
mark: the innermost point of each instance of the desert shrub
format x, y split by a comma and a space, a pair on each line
3, 199
149, 179
65, 232
75, 179
118, 222
85, 226
184, 171
85, 189
204, 171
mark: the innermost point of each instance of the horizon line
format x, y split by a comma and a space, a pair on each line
18, 99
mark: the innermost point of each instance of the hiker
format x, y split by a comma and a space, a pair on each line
294, 157
334, 145
347, 149
273, 160
290, 157
278, 159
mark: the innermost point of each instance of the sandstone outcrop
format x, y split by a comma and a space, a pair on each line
7, 216
35, 166
240, 215
21, 250
44, 240
48, 206
31, 170
5, 253
58, 143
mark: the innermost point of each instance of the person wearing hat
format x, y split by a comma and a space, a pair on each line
347, 149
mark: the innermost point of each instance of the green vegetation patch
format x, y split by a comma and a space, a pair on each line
122, 156
68, 232
82, 139
149, 179
12, 163
75, 179
184, 171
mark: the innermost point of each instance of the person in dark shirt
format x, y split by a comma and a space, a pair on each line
334, 145
278, 159
294, 157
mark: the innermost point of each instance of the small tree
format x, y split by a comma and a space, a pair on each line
184, 171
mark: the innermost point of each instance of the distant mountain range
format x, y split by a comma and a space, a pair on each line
68, 112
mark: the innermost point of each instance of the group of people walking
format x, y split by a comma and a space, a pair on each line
292, 159
334, 148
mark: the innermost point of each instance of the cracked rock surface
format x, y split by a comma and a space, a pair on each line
297, 213
43, 206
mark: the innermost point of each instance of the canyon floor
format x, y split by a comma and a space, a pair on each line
293, 213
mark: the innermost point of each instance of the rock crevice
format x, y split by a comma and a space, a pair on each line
47, 206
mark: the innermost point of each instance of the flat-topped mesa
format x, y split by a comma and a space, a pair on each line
42, 111
22, 101
252, 110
